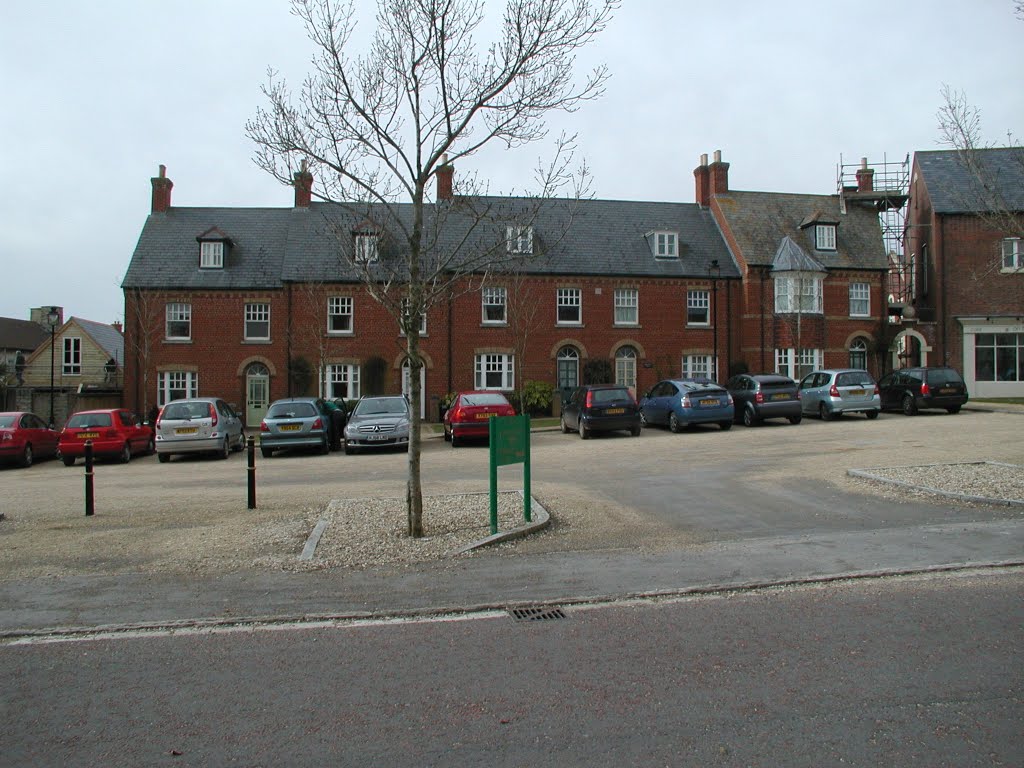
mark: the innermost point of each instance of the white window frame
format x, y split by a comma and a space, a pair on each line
665, 244
825, 237
71, 359
698, 300
340, 309
699, 367
860, 300
494, 371
211, 254
519, 239
169, 382
491, 298
810, 294
625, 367
568, 298
797, 364
256, 314
1013, 254
627, 306
365, 248
178, 312
340, 376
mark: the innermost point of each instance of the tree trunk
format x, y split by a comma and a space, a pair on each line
414, 489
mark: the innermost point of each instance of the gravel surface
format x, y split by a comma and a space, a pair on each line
990, 481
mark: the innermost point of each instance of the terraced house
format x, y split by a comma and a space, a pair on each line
255, 304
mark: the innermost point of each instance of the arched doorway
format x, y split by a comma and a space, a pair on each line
909, 349
257, 393
567, 370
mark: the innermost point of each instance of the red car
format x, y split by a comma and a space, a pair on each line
470, 412
114, 433
24, 437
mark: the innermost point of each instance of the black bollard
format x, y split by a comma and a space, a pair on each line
251, 442
89, 502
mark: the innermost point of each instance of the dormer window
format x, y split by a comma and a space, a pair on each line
211, 255
519, 239
366, 248
664, 245
825, 237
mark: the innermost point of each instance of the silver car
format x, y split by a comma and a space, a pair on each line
296, 422
378, 422
198, 425
831, 393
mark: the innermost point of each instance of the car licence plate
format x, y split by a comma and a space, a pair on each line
186, 430
484, 415
709, 402
947, 391
290, 427
780, 396
376, 437
88, 435
857, 392
614, 411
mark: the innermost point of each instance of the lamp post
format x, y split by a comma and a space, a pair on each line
51, 318
713, 272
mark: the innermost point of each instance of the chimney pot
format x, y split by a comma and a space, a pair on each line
162, 186
719, 172
865, 177
718, 155
704, 159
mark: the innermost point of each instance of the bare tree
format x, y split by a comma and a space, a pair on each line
379, 129
143, 329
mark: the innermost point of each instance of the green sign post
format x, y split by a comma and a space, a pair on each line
510, 444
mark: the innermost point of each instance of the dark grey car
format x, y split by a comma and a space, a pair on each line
760, 396
378, 422
296, 422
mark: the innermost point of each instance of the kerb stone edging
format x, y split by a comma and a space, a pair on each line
867, 474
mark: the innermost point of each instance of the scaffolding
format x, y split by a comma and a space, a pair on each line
886, 186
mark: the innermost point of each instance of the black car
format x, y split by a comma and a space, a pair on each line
760, 396
600, 408
913, 389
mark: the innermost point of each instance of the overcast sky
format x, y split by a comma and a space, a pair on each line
94, 96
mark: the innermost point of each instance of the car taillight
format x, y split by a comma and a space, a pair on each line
213, 415
924, 389
877, 390
729, 398
318, 424
685, 401
264, 427
759, 397
833, 391
801, 397
456, 415
590, 400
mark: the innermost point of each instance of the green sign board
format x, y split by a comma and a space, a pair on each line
510, 444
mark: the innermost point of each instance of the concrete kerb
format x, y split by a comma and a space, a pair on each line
869, 474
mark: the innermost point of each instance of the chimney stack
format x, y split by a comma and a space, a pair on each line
719, 175
701, 176
161, 191
302, 180
865, 177
117, 326
445, 174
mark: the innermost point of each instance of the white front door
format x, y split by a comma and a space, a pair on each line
257, 395
407, 388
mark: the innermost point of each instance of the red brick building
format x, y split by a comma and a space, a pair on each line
256, 304
965, 246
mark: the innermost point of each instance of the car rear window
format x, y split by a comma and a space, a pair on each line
6, 421
291, 411
775, 382
186, 411
854, 378
610, 395
486, 399
86, 420
941, 376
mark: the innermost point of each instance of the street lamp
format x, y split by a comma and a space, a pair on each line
52, 317
713, 272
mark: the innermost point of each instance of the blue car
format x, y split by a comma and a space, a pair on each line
680, 403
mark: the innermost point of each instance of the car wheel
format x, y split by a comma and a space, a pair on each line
725, 425
447, 435
454, 440
824, 412
909, 406
26, 456
748, 417
584, 432
163, 458
565, 427
69, 461
796, 419
241, 442
126, 453
643, 419
673, 423
267, 452
225, 449
635, 431
872, 414
953, 409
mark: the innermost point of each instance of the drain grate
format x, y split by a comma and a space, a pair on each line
545, 613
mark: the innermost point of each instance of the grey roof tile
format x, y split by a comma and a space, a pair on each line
954, 187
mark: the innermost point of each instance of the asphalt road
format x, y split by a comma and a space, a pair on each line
923, 671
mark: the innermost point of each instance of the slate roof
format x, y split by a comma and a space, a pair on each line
759, 220
791, 258
107, 337
25, 335
275, 246
955, 188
